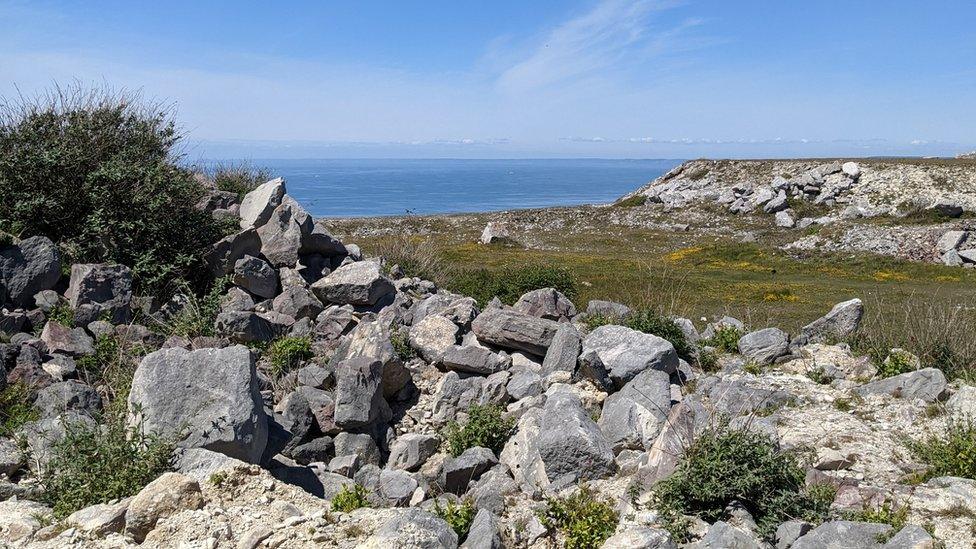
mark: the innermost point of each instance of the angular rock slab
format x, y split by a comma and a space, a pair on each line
359, 283
28, 267
928, 384
626, 352
257, 205
511, 329
209, 398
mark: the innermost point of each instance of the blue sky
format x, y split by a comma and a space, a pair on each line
596, 78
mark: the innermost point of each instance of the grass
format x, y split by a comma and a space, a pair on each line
485, 427
349, 499
198, 315
97, 464
400, 339
952, 453
509, 283
16, 408
287, 353
239, 179
110, 369
458, 516
417, 257
632, 202
886, 513
584, 519
725, 465
62, 314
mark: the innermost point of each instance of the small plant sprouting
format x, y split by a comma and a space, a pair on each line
349, 499
287, 353
458, 515
486, 427
585, 519
726, 338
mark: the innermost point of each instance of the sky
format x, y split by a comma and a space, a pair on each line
517, 79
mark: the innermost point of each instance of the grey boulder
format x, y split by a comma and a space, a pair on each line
564, 350
626, 352
843, 534
928, 384
840, 323
71, 395
224, 254
633, 417
472, 359
256, 276
413, 528
101, 289
411, 450
281, 235
764, 346
468, 467
359, 392
483, 533
28, 267
546, 303
510, 329
258, 205
359, 283
208, 397
432, 336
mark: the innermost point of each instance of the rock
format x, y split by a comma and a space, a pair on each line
952, 259
685, 420
626, 352
359, 394
788, 532
199, 463
951, 240
494, 232
258, 205
28, 267
851, 169
607, 309
413, 528
362, 445
483, 533
764, 346
458, 309
411, 450
563, 351
101, 289
558, 443
785, 219
226, 252
372, 339
777, 204
963, 402
633, 417
244, 327
397, 487
524, 384
20, 519
843, 534
11, 458
839, 324
911, 536
209, 396
347, 465
320, 241
474, 360
829, 459
947, 209
69, 341
928, 384
358, 283
432, 336
101, 519
320, 449
511, 329
71, 395
640, 537
967, 256
298, 302
458, 472
166, 496
546, 303
737, 397
723, 535
281, 236
256, 276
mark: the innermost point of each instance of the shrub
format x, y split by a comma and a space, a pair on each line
593, 322
725, 465
583, 518
726, 338
458, 515
349, 499
952, 453
485, 427
62, 314
287, 353
400, 340
16, 408
239, 179
509, 283
897, 362
417, 257
198, 315
707, 360
96, 172
110, 369
96, 464
650, 322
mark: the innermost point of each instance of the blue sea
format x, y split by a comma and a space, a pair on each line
368, 187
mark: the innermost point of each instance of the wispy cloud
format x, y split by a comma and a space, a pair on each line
613, 32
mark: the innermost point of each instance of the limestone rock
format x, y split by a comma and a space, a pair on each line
928, 384
432, 336
511, 329
167, 495
626, 352
358, 283
256, 276
546, 303
764, 346
258, 205
28, 267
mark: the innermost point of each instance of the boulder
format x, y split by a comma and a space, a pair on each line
564, 350
281, 236
928, 384
226, 252
199, 463
20, 519
843, 534
639, 537
432, 336
71, 395
11, 458
258, 205
606, 309
736, 397
851, 169
297, 302
101, 519
69, 341
911, 536
28, 267
511, 329
468, 467
458, 309
413, 528
483, 533
411, 450
785, 219
209, 397
372, 340
684, 421
546, 303
44, 434
359, 393
764, 346
474, 360
164, 497
359, 283
777, 204
633, 417
256, 276
963, 402
839, 324
101, 289
626, 352
946, 208
396, 487
320, 241
357, 444
951, 240
245, 327
723, 535
495, 232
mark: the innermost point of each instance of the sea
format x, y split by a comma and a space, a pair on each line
370, 187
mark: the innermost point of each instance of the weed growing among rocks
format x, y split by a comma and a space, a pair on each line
486, 427
584, 519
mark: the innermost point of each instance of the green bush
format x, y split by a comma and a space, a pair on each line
584, 519
96, 172
952, 453
726, 338
897, 362
239, 179
96, 464
458, 515
509, 283
486, 427
16, 408
632, 202
887, 513
725, 465
287, 353
707, 360
350, 499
